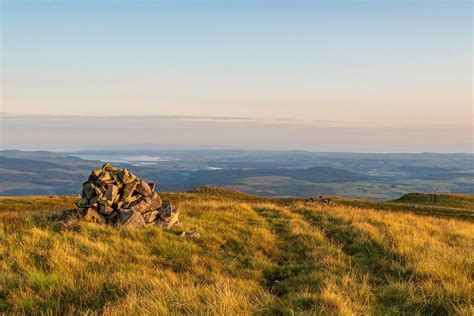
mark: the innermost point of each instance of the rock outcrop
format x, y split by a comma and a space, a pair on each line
115, 196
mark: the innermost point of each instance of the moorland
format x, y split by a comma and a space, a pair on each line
255, 255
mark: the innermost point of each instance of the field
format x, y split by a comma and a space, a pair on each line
254, 256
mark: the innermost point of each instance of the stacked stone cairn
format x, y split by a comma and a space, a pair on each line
114, 196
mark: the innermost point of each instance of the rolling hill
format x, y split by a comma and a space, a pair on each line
464, 201
263, 173
255, 256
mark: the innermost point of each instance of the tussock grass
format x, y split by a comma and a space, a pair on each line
255, 256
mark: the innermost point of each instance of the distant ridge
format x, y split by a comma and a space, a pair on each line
212, 190
438, 199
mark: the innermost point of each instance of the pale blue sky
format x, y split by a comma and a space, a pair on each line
359, 64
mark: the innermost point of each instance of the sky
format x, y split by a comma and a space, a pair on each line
382, 76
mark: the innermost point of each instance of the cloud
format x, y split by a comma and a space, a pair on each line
159, 132
18, 118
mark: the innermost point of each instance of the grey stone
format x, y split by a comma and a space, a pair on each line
155, 202
111, 193
93, 216
128, 190
141, 206
131, 218
105, 209
143, 188
88, 190
150, 217
168, 216
191, 234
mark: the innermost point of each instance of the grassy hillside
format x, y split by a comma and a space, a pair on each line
443, 208
465, 201
262, 256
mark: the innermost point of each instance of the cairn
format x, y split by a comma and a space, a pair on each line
114, 196
322, 200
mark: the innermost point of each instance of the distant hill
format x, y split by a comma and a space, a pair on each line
47, 156
26, 177
438, 199
263, 173
215, 191
313, 174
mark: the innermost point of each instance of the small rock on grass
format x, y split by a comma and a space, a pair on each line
191, 234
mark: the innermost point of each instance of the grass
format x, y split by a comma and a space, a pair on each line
445, 205
255, 256
464, 201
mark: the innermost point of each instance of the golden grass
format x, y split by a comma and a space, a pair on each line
254, 257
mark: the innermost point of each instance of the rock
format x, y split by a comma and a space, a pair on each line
83, 202
105, 209
143, 188
155, 201
128, 190
112, 218
191, 234
131, 218
95, 199
111, 193
93, 216
107, 167
142, 205
105, 201
117, 176
167, 216
104, 176
150, 217
96, 173
88, 190
127, 177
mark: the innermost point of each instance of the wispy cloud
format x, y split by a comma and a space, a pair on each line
93, 132
153, 118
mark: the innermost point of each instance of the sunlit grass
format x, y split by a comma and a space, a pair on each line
254, 257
